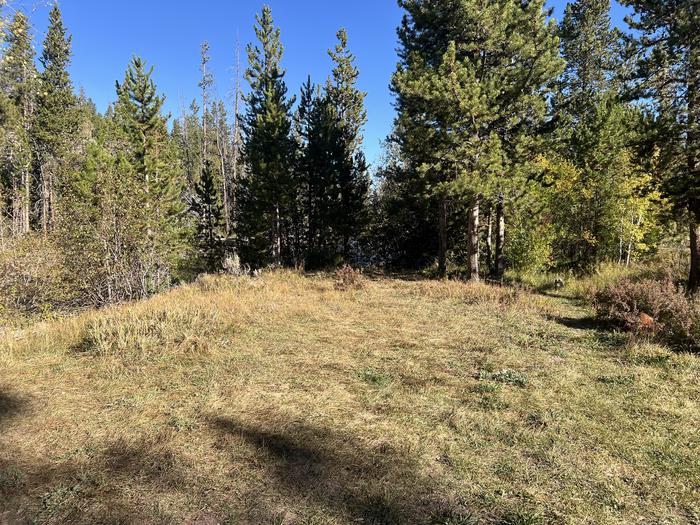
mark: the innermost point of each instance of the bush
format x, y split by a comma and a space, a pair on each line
348, 278
657, 308
33, 278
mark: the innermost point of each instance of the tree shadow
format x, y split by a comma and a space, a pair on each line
318, 470
583, 323
100, 489
10, 406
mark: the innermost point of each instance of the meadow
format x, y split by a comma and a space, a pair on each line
298, 399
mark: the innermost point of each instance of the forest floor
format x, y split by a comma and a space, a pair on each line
283, 400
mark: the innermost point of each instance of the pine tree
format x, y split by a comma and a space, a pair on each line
471, 85
138, 112
667, 45
205, 84
18, 81
269, 192
57, 117
591, 48
346, 102
208, 209
315, 169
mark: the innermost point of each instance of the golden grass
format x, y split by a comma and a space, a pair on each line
285, 400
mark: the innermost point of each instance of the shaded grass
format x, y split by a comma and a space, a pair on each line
285, 400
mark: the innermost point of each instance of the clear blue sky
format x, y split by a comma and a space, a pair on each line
168, 34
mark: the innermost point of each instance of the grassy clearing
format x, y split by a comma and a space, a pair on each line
284, 400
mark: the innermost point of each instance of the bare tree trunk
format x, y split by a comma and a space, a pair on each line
442, 233
693, 152
694, 278
25, 201
489, 239
474, 240
277, 243
236, 145
45, 197
621, 251
500, 236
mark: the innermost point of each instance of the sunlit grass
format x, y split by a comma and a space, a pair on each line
284, 399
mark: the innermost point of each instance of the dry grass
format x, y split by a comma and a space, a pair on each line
283, 400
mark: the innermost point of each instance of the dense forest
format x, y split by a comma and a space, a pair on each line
520, 144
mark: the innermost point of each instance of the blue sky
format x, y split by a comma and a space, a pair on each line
168, 34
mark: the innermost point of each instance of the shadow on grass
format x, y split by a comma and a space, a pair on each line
290, 473
346, 479
583, 323
10, 406
101, 489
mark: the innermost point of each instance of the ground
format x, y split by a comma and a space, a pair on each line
285, 400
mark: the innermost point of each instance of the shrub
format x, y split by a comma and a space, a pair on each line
33, 278
656, 308
348, 278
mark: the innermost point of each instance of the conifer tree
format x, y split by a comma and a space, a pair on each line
208, 209
205, 84
471, 86
667, 46
314, 123
138, 112
57, 117
347, 105
269, 193
18, 84
594, 133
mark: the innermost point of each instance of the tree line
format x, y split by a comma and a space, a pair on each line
518, 143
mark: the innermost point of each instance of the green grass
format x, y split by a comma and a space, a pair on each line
286, 400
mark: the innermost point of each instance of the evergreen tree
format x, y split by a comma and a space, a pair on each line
347, 105
314, 123
471, 85
269, 193
18, 84
208, 209
57, 117
667, 46
138, 112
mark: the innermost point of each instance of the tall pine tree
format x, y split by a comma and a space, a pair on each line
57, 117
594, 133
667, 47
138, 112
269, 192
18, 79
471, 86
346, 103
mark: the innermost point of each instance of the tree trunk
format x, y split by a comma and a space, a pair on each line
694, 278
442, 248
693, 152
277, 247
474, 241
500, 236
442, 236
489, 239
46, 189
25, 202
